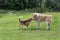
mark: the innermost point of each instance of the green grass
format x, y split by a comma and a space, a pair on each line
9, 28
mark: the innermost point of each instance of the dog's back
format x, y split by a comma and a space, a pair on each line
22, 22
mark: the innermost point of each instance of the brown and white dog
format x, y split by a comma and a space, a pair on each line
40, 17
25, 22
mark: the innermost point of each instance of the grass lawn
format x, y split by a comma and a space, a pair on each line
9, 27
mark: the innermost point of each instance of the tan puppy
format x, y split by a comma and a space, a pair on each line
40, 17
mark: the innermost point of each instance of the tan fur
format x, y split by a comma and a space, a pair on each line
40, 17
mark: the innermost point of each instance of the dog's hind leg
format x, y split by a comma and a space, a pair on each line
48, 25
19, 25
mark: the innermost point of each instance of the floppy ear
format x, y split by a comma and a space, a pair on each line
35, 16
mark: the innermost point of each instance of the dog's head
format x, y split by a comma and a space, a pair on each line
35, 15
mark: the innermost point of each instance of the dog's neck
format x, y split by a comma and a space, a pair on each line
30, 19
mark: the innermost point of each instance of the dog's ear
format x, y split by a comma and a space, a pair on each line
34, 16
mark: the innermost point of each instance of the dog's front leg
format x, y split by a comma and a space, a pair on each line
38, 24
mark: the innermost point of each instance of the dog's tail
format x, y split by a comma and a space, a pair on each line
19, 19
